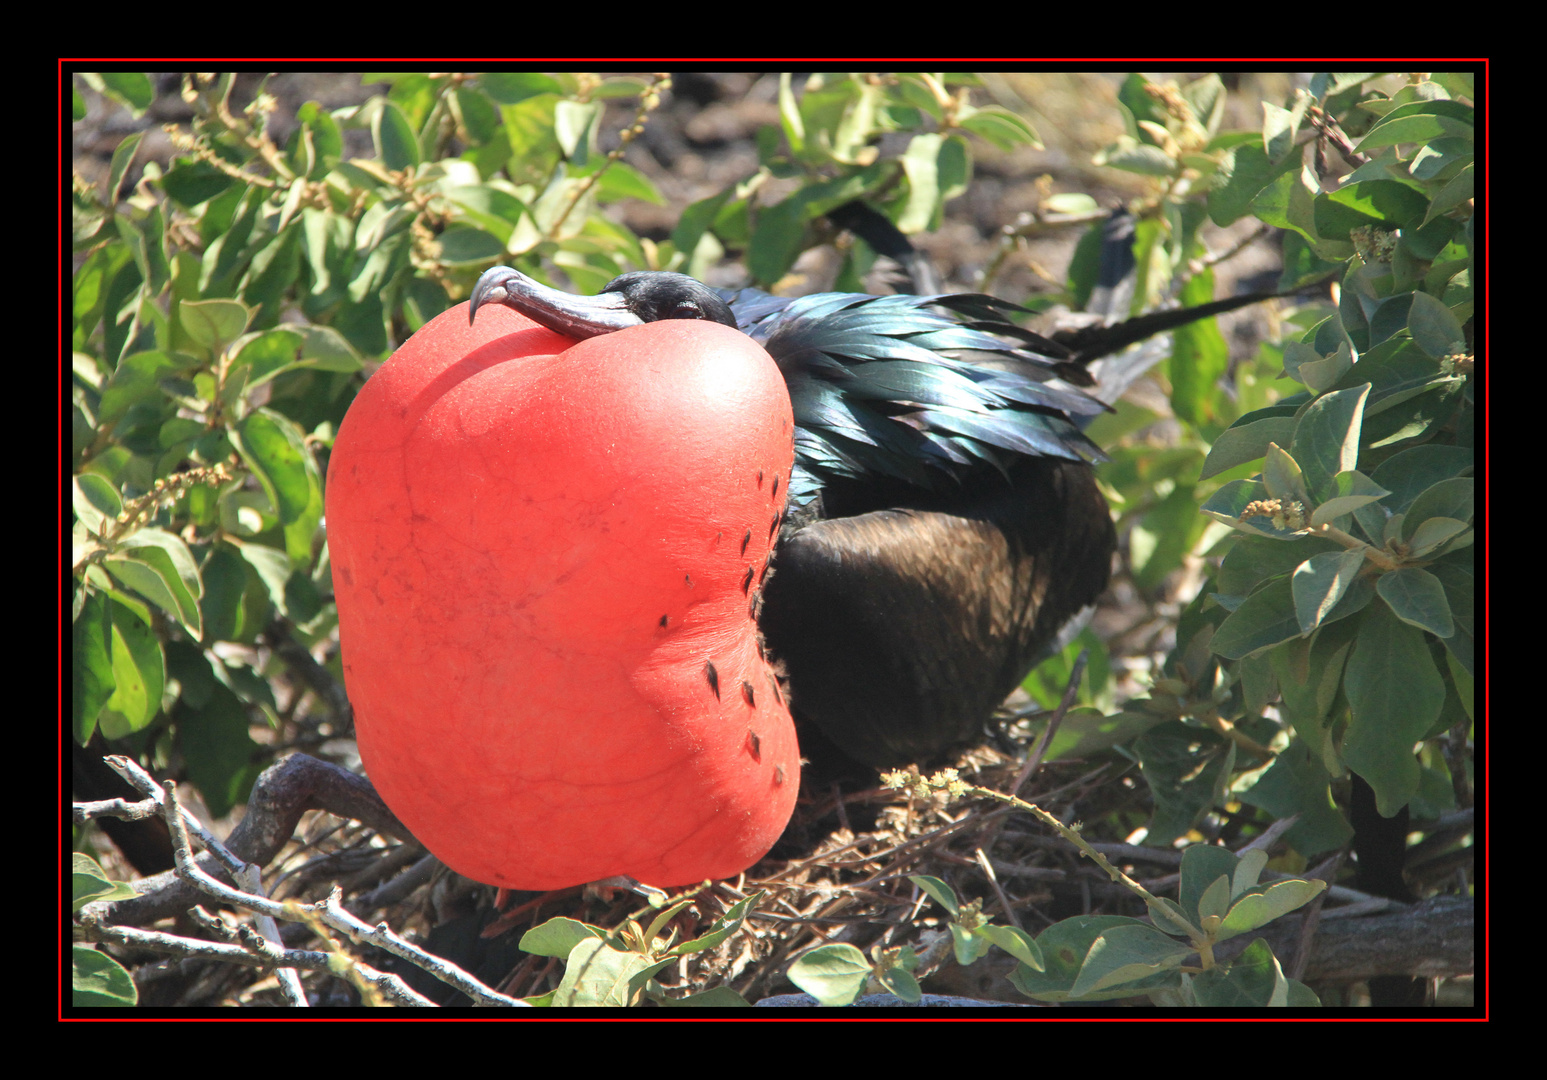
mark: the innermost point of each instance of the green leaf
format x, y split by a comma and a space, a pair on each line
1253, 560
1215, 900
272, 567
245, 514
1016, 942
322, 348
1064, 946
139, 673
275, 450
696, 220
1320, 582
597, 975
622, 181
1187, 770
97, 980
192, 183
159, 567
90, 883
1298, 783
1395, 694
1320, 373
1247, 440
1418, 599
1327, 438
1265, 618
318, 143
1346, 493
723, 927
95, 281
789, 116
1203, 865
1283, 477
1419, 122
1254, 979
1128, 954
1288, 203
1279, 126
776, 240
92, 682
95, 502
1130, 155
1453, 498
1436, 532
1259, 909
1248, 871
1434, 327
1087, 731
146, 240
1459, 584
655, 930
396, 145
574, 125
1199, 355
901, 984
1075, 204
833, 974
511, 87
123, 157
1387, 203
937, 168
480, 119
1165, 536
140, 379
132, 88
938, 891
1245, 174
214, 738
1003, 128
1458, 191
1409, 473
225, 578
558, 937
968, 945
213, 324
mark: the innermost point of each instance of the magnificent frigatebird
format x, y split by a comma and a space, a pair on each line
944, 532
552, 529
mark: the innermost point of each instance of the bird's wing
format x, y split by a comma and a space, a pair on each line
901, 628
899, 385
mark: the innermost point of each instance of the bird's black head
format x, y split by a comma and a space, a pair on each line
628, 300
654, 295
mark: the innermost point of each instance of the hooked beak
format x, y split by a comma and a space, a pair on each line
577, 317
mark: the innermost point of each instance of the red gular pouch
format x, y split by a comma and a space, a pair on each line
546, 556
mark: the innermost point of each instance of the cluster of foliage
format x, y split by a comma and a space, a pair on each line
1337, 633
1097, 957
224, 304
618, 967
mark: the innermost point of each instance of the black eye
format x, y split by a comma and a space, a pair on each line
685, 309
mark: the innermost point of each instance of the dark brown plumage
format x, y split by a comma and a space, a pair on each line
905, 618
